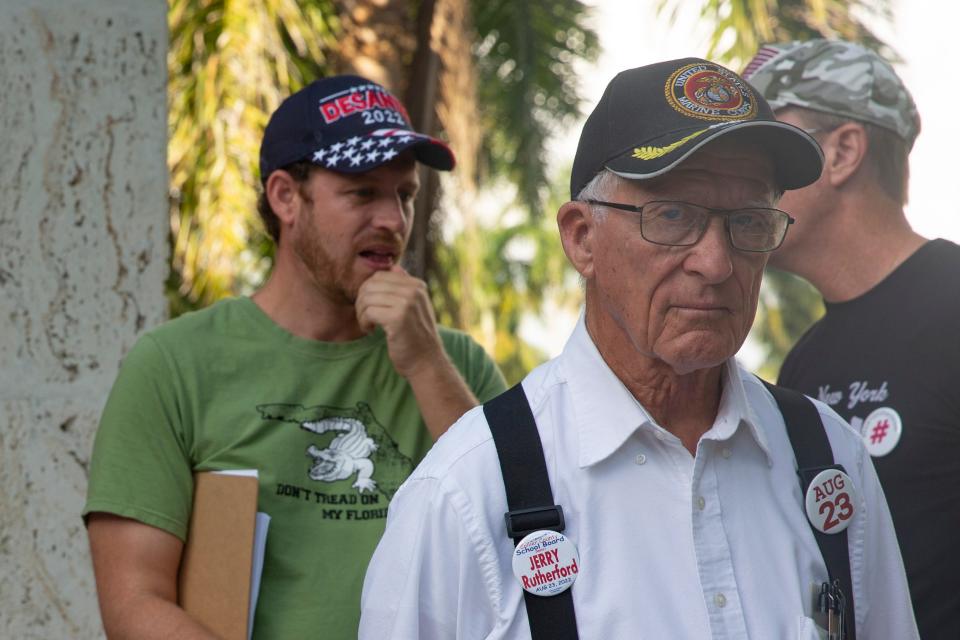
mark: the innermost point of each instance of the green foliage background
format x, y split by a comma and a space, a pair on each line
231, 62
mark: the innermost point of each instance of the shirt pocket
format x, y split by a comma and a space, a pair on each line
807, 629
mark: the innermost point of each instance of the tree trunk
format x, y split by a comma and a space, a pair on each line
377, 41
421, 101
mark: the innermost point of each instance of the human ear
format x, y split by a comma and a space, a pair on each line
283, 194
844, 152
577, 228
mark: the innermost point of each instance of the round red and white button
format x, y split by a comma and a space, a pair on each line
831, 501
546, 563
881, 431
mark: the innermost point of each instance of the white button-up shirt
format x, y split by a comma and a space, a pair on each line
672, 546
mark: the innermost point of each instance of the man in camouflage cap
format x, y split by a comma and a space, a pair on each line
838, 78
885, 356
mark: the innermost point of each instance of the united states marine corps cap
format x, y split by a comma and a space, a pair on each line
835, 77
650, 119
347, 124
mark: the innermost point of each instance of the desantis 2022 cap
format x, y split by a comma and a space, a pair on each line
835, 77
650, 119
347, 124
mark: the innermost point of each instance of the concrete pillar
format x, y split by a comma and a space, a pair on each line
83, 247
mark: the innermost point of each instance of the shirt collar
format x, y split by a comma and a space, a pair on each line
606, 414
735, 411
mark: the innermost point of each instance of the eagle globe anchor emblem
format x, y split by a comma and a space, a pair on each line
718, 91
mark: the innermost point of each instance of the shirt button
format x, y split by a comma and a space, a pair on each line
661, 435
720, 600
641, 458
701, 503
726, 453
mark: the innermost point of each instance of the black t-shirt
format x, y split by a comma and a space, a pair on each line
897, 347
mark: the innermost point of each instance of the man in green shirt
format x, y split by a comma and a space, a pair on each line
332, 380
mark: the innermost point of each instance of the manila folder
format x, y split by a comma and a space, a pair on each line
214, 581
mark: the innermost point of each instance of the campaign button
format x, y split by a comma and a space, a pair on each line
831, 501
546, 563
881, 431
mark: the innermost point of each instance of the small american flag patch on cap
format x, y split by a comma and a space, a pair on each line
764, 55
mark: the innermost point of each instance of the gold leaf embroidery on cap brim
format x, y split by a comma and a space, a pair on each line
651, 153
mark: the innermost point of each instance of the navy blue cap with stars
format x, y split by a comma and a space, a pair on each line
347, 124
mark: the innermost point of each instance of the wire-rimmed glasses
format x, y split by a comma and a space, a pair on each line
683, 224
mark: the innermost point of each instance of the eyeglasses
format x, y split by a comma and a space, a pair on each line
682, 224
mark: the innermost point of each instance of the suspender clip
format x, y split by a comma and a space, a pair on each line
524, 521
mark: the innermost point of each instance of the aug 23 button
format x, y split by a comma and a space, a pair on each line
831, 501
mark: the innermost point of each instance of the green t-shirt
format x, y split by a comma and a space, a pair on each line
331, 427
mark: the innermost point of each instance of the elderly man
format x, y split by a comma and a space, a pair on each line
885, 355
673, 472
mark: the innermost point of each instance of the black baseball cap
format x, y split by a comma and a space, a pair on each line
347, 124
650, 119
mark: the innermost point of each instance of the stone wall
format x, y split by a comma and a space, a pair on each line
83, 248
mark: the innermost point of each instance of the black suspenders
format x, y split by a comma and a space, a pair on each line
811, 448
531, 506
530, 503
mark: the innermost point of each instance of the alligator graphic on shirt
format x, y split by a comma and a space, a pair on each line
360, 446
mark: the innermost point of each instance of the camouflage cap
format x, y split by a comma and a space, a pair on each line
836, 77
